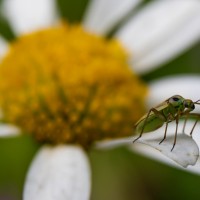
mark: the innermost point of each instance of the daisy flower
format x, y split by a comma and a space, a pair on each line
69, 87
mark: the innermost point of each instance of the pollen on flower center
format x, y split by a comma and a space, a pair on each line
63, 85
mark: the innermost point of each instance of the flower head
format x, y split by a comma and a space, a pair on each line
63, 85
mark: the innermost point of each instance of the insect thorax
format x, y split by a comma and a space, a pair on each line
170, 112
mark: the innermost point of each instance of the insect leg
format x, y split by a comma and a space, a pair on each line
193, 127
177, 119
167, 122
183, 131
195, 115
156, 112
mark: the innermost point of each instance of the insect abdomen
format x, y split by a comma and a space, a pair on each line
151, 124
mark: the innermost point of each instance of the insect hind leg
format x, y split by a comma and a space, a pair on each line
157, 113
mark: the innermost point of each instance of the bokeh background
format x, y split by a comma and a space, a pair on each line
117, 174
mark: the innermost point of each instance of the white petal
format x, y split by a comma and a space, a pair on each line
180, 156
58, 172
102, 15
3, 47
28, 15
186, 86
109, 144
162, 30
196, 136
185, 152
7, 130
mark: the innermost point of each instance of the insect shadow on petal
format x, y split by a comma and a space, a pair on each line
172, 109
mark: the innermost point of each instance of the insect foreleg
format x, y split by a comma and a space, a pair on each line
194, 127
184, 125
185, 113
196, 115
157, 113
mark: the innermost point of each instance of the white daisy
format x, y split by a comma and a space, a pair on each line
151, 36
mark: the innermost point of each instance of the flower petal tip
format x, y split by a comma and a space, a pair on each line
26, 15
102, 15
185, 152
58, 172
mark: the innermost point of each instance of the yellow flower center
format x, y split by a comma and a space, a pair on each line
63, 85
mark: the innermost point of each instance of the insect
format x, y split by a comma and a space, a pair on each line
171, 109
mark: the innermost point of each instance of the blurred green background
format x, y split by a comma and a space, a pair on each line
117, 174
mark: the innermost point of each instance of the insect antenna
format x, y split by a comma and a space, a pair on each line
197, 102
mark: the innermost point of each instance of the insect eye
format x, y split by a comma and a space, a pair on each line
175, 99
193, 107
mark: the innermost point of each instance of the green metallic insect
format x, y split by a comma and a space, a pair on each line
168, 111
